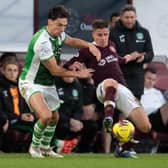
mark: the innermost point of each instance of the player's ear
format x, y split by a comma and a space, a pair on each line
49, 21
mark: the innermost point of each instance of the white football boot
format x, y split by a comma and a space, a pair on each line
50, 153
35, 152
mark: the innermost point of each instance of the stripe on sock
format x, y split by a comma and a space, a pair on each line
37, 133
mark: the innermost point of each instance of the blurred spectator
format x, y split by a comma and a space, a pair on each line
14, 109
89, 117
71, 128
6, 56
115, 16
154, 103
70, 92
4, 124
131, 38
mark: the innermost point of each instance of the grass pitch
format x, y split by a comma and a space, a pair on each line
84, 161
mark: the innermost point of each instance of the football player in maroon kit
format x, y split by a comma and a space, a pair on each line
110, 83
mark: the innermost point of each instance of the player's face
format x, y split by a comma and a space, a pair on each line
56, 27
128, 19
11, 72
101, 36
150, 80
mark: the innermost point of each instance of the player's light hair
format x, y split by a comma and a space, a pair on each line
99, 24
128, 7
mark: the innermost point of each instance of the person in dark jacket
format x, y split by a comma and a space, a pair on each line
71, 125
131, 38
13, 108
70, 92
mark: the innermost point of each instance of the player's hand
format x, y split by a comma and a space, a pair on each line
95, 51
76, 66
85, 73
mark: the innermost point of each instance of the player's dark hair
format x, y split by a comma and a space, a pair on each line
99, 24
58, 12
128, 7
150, 69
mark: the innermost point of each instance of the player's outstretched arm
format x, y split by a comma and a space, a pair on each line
57, 70
79, 43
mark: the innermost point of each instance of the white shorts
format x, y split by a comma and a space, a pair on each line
125, 100
27, 89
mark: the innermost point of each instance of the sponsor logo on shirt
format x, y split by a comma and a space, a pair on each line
107, 59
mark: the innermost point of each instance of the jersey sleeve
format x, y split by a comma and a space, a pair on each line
44, 50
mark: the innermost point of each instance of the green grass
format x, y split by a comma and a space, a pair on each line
84, 161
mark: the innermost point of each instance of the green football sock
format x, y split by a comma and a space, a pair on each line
48, 135
37, 133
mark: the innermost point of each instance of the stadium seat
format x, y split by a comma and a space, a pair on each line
21, 63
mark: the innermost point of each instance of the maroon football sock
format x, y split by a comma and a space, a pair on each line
109, 101
110, 93
109, 111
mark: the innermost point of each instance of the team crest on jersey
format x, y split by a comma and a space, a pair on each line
75, 93
45, 51
139, 36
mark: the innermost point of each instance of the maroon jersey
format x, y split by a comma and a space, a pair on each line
107, 67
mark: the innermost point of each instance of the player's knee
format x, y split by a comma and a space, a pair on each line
110, 83
46, 118
145, 128
55, 118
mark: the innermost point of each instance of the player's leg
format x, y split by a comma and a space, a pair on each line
132, 109
48, 135
53, 103
38, 105
106, 92
140, 119
49, 131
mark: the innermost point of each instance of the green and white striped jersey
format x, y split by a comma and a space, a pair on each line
41, 48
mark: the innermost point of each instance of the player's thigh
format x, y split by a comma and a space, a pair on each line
41, 99
39, 105
125, 100
140, 119
33, 94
